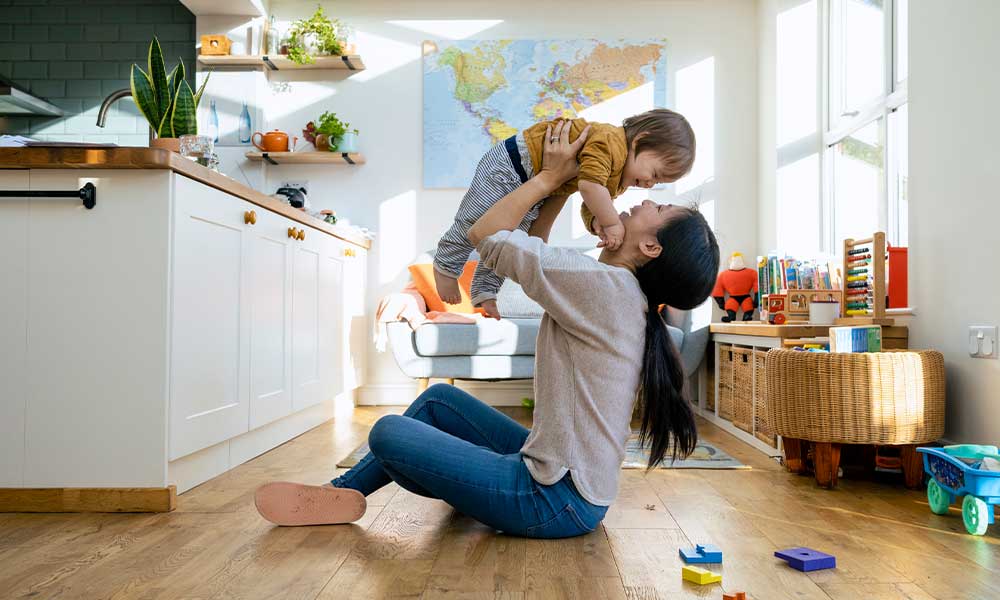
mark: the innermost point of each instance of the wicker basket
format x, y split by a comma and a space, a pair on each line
725, 399
762, 426
743, 365
872, 398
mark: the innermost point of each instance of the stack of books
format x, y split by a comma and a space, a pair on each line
862, 338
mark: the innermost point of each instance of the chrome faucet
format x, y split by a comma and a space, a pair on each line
115, 96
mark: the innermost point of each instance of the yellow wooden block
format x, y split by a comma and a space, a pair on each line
700, 576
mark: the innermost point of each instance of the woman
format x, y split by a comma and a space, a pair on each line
598, 350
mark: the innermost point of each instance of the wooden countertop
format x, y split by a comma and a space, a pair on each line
792, 331
155, 158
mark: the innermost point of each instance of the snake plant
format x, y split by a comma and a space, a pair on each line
165, 99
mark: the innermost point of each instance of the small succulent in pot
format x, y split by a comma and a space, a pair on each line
165, 99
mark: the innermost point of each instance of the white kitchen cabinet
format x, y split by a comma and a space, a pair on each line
270, 306
13, 326
210, 324
354, 329
307, 372
160, 338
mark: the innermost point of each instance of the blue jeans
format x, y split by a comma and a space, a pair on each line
451, 446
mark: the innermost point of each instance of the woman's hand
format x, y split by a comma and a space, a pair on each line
559, 163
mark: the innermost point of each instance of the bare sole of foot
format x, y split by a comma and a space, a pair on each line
447, 288
296, 504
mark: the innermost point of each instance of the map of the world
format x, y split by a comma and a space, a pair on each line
478, 93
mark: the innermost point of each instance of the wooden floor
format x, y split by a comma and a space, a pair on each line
887, 543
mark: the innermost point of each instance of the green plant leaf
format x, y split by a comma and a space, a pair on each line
164, 129
144, 96
184, 121
181, 74
171, 78
158, 76
201, 89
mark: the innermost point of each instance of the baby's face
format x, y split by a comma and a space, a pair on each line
644, 170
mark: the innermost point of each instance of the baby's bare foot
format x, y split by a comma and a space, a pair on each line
490, 308
447, 288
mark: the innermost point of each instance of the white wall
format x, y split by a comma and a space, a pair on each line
954, 200
385, 103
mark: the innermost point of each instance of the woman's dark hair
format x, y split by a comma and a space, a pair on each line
667, 134
682, 276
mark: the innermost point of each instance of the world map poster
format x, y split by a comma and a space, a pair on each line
479, 92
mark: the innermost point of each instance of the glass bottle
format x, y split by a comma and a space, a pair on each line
245, 127
212, 130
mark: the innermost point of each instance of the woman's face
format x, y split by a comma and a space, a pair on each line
647, 218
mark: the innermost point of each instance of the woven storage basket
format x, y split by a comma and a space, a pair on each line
762, 426
725, 399
872, 398
743, 388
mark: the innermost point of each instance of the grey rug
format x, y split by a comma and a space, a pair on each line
705, 456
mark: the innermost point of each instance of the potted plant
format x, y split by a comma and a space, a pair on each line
165, 99
332, 134
316, 35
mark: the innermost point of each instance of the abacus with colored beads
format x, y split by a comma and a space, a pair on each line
864, 282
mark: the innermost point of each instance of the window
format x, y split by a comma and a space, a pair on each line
864, 167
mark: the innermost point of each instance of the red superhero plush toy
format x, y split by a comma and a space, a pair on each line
741, 285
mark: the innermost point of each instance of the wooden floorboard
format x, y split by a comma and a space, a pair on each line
888, 544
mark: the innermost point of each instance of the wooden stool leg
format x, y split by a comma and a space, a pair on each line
450, 381
422, 383
827, 458
913, 466
793, 455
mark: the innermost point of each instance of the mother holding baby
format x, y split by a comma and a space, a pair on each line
602, 346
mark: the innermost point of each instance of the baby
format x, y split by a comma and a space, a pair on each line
657, 146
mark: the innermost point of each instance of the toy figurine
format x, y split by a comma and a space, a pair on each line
741, 284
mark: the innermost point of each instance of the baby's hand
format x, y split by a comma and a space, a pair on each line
611, 236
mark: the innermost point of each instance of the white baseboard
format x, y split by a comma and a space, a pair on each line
194, 469
494, 393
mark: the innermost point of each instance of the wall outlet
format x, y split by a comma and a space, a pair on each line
983, 341
302, 183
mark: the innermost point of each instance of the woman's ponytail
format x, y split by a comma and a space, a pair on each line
681, 276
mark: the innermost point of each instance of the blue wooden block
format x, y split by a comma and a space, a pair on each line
702, 553
807, 559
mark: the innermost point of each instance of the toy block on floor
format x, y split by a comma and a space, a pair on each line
807, 559
700, 576
735, 596
702, 553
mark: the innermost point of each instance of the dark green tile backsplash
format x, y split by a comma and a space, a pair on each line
75, 52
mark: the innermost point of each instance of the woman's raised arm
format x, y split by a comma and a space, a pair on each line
558, 166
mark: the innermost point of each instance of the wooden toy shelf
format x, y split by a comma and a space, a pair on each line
308, 158
348, 62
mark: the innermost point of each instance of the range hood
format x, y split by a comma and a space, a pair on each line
16, 102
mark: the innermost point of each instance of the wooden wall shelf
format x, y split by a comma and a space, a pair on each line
308, 158
348, 62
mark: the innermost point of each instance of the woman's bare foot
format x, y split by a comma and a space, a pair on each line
490, 308
447, 288
294, 504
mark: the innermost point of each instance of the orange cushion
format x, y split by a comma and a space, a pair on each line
423, 277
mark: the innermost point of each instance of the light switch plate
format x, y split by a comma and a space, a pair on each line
983, 341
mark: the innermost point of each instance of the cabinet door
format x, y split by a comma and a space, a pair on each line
270, 308
13, 328
356, 327
209, 331
332, 310
307, 264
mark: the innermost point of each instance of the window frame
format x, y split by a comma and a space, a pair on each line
837, 128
